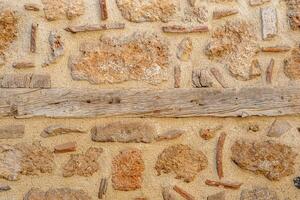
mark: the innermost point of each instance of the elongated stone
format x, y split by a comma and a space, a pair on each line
269, 22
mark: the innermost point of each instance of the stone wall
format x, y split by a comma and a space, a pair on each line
153, 99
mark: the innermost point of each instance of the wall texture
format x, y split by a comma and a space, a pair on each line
153, 99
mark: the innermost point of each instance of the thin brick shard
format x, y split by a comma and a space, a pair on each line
269, 22
185, 29
57, 48
59, 129
95, 27
221, 13
56, 194
125, 132
271, 159
31, 7
147, 11
170, 135
185, 162
139, 57
83, 164
127, 169
259, 193
275, 49
23, 65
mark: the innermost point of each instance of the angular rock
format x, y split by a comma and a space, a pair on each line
271, 159
293, 13
269, 22
59, 129
26, 81
185, 49
292, 65
124, 132
195, 15
12, 131
218, 14
140, 56
8, 29
26, 159
278, 128
56, 194
4, 187
66, 147
259, 193
234, 45
147, 11
57, 48
258, 2
218, 196
185, 162
127, 169
170, 135
59, 9
83, 164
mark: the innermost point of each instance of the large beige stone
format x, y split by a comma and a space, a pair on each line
140, 56
180, 159
271, 159
56, 194
147, 11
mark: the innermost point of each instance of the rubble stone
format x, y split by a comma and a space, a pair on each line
195, 15
294, 13
185, 49
185, 162
292, 65
140, 56
259, 193
127, 170
271, 159
278, 128
269, 22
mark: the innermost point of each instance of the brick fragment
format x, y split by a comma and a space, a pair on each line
66, 147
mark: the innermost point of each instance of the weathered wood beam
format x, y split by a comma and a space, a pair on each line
78, 103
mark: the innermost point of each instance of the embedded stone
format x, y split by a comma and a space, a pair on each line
40, 81
59, 9
170, 135
26, 81
218, 14
185, 49
56, 194
12, 131
293, 13
57, 48
127, 169
259, 193
147, 11
140, 56
218, 196
59, 129
269, 22
209, 133
83, 164
125, 132
4, 187
258, 2
278, 128
202, 78
292, 65
66, 147
185, 162
297, 182
195, 15
271, 159
234, 45
168, 194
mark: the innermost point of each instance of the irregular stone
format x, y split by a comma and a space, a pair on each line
258, 2
4, 187
195, 14
234, 45
253, 127
12, 131
297, 182
124, 132
66, 147
185, 28
185, 162
292, 65
218, 196
255, 69
294, 13
59, 9
147, 11
209, 133
192, 2
83, 164
8, 29
170, 135
259, 193
269, 22
140, 56
26, 81
57, 48
59, 129
56, 194
23, 65
202, 78
271, 159
127, 170
168, 194
278, 128
218, 14
185, 49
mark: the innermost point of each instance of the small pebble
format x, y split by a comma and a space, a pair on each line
297, 182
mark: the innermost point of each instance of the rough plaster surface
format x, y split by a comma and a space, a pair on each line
151, 186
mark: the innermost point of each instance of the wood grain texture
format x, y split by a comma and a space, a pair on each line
78, 103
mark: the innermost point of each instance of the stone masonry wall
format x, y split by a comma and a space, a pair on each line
77, 152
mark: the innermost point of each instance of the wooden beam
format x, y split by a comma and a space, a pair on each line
78, 103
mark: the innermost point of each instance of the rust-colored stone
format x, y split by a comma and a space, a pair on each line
127, 170
185, 162
66, 147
